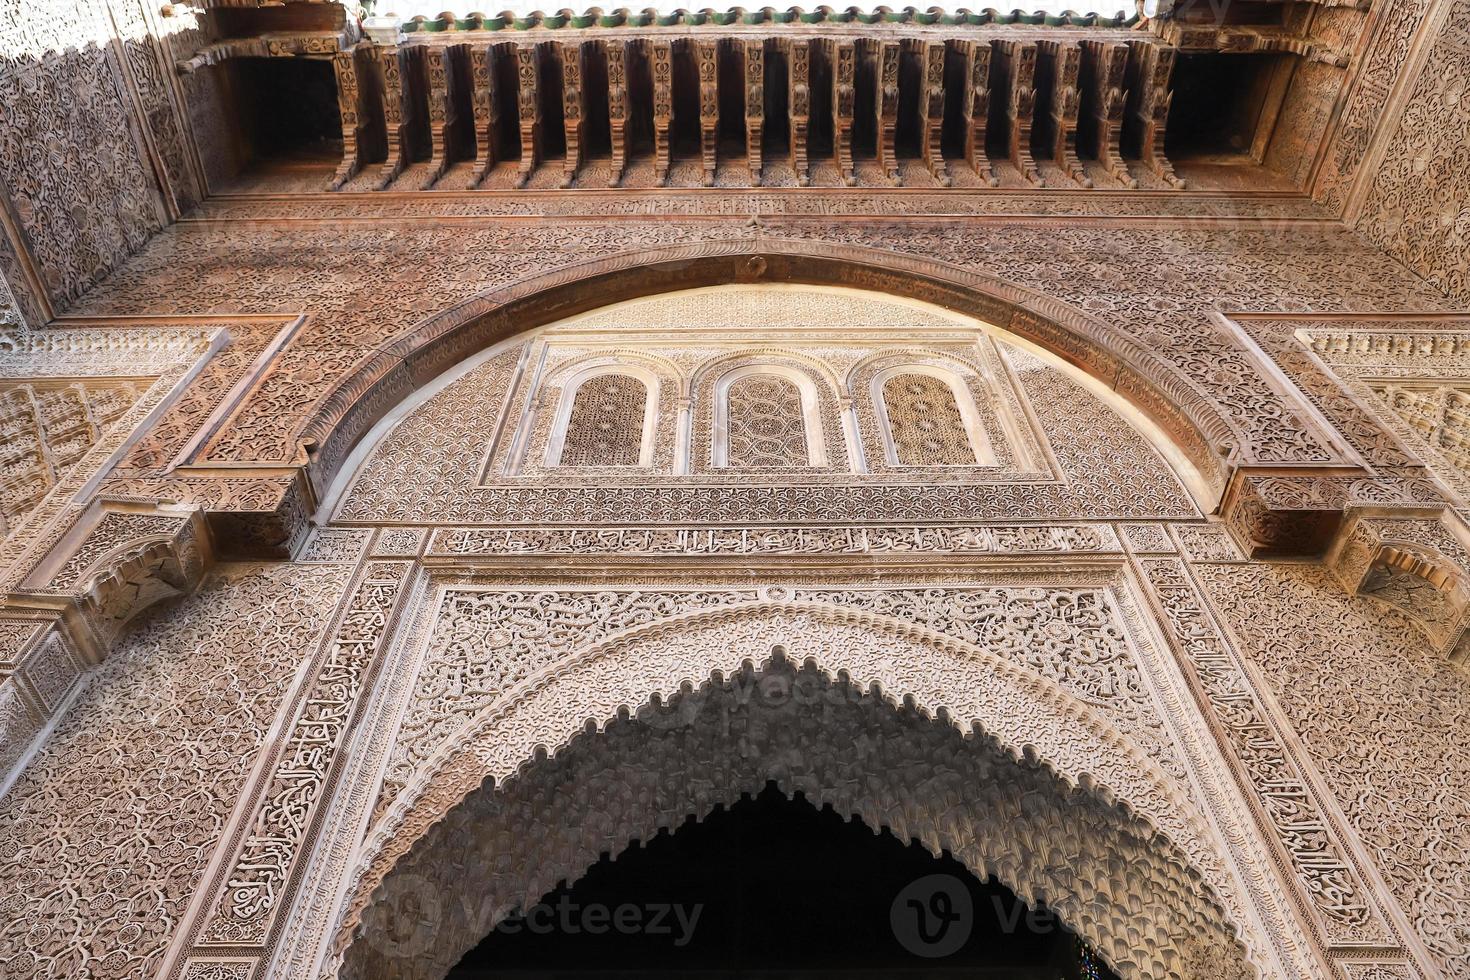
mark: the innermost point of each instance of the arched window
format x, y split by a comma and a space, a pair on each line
765, 422
925, 422
607, 424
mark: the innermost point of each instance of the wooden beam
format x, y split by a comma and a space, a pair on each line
1064, 61
661, 63
844, 96
755, 105
349, 104
441, 108
1104, 67
799, 105
706, 53
975, 108
1017, 61
616, 52
885, 106
482, 98
1151, 66
572, 114
397, 112
931, 109
528, 106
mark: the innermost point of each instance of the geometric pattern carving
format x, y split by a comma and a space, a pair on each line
765, 423
45, 428
605, 427
925, 422
1440, 414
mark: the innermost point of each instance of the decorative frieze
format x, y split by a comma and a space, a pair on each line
804, 540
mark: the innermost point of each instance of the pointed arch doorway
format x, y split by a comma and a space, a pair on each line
774, 886
1072, 846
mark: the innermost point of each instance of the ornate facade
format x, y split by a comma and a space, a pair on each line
416, 435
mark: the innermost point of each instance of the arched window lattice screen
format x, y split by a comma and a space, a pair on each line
764, 422
605, 427
925, 422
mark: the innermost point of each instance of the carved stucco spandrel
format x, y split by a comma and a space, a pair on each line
1341, 898
278, 817
1417, 206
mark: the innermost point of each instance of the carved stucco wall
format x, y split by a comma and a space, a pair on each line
85, 99
1337, 820
1344, 665
1418, 207
104, 835
1294, 849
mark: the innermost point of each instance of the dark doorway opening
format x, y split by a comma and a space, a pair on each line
774, 887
